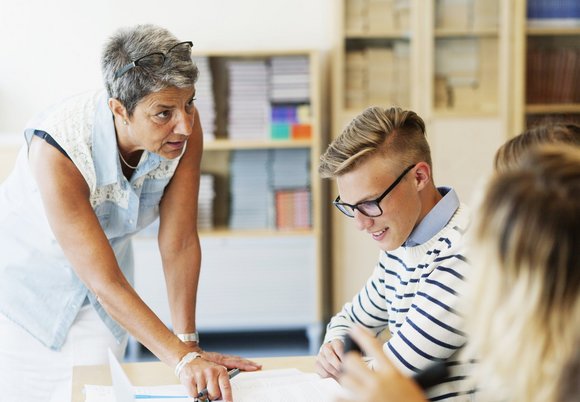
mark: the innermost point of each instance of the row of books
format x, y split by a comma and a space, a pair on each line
267, 189
466, 74
553, 75
466, 14
378, 76
258, 85
290, 121
205, 208
376, 16
205, 202
204, 98
553, 13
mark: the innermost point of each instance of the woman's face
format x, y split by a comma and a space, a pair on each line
163, 121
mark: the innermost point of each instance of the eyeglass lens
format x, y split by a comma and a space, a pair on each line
370, 209
181, 51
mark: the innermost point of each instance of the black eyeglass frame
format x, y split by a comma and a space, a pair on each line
135, 62
341, 206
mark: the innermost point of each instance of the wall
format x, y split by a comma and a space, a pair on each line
51, 49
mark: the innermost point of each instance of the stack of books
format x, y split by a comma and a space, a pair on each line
205, 202
291, 186
248, 102
290, 121
378, 76
290, 97
204, 99
553, 74
466, 14
293, 209
250, 190
376, 16
290, 79
466, 74
270, 189
550, 13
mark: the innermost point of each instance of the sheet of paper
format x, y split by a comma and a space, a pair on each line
122, 387
286, 385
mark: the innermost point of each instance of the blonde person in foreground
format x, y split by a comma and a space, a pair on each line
382, 165
523, 321
95, 170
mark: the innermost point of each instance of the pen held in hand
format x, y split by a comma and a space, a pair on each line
203, 392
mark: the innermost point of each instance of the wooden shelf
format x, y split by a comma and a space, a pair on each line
549, 108
245, 233
460, 33
225, 145
396, 35
468, 113
552, 31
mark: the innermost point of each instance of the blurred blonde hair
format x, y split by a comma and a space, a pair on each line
523, 321
396, 133
510, 153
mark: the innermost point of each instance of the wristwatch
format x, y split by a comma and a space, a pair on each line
190, 337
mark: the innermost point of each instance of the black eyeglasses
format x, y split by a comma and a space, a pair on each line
154, 61
372, 208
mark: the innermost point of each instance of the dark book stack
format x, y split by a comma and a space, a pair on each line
553, 13
553, 75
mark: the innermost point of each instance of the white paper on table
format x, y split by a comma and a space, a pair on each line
285, 385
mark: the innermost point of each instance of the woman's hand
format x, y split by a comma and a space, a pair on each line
329, 359
385, 384
200, 374
211, 372
230, 361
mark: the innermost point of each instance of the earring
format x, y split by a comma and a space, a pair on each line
125, 122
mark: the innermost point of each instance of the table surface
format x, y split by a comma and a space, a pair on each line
157, 373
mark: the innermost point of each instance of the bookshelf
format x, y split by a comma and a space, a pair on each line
456, 71
547, 64
260, 271
375, 56
466, 39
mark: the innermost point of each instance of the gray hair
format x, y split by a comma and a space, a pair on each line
127, 45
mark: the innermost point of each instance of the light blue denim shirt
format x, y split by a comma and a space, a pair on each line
38, 288
436, 219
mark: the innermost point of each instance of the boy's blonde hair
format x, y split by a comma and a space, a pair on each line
396, 133
524, 319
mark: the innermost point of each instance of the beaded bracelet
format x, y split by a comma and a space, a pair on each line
189, 357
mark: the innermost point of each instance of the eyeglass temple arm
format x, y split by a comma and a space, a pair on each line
124, 69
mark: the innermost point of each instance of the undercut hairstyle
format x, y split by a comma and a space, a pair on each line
397, 134
523, 319
509, 154
129, 44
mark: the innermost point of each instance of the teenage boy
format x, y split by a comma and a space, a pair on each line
383, 170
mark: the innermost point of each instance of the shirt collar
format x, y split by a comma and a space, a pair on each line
436, 219
108, 170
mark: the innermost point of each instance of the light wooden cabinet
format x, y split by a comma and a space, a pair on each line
547, 63
447, 60
257, 274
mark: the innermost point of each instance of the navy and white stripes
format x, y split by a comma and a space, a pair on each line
414, 293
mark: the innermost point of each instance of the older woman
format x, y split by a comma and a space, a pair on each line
98, 168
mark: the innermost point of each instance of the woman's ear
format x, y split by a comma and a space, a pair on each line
422, 175
118, 110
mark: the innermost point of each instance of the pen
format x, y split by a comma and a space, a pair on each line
231, 374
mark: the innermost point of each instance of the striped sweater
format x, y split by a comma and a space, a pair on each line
413, 293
